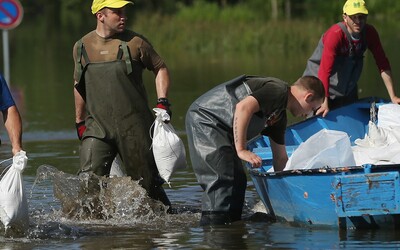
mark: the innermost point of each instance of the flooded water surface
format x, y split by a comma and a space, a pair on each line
131, 226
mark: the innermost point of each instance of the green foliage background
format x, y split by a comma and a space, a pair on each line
239, 10
213, 26
200, 40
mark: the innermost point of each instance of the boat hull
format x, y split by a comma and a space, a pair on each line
365, 196
357, 197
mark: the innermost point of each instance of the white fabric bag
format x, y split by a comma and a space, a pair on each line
326, 148
389, 115
168, 149
381, 145
376, 137
13, 201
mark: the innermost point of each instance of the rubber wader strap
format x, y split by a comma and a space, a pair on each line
78, 64
80, 51
127, 58
85, 55
247, 88
348, 36
349, 39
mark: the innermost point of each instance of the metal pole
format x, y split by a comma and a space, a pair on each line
6, 57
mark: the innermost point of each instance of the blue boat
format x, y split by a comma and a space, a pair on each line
346, 197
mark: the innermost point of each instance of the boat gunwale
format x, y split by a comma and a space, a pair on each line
326, 170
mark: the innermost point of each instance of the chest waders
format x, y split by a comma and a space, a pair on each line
118, 122
218, 169
346, 70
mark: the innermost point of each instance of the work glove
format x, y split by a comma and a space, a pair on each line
80, 129
163, 103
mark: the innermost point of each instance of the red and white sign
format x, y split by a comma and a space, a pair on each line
11, 13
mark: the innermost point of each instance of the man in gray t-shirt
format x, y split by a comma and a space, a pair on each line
219, 123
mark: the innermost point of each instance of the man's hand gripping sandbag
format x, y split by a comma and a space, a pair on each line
168, 148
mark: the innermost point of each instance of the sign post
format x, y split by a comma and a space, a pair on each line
11, 13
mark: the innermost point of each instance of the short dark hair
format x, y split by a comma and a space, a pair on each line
312, 84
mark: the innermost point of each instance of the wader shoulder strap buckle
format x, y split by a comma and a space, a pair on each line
349, 39
80, 51
124, 50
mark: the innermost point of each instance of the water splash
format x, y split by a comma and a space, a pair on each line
92, 197
66, 207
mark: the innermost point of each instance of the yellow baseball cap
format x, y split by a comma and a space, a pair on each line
99, 4
352, 7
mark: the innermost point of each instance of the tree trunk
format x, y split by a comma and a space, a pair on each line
223, 3
288, 10
274, 9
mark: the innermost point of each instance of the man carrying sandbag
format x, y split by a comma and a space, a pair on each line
13, 201
11, 117
111, 106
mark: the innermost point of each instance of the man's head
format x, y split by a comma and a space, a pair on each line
355, 15
308, 93
115, 4
111, 16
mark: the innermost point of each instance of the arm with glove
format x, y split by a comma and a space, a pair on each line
80, 113
162, 85
168, 149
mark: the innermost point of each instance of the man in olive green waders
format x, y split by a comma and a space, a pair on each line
112, 114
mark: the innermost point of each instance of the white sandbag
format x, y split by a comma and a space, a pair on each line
13, 201
168, 148
387, 153
388, 115
362, 155
326, 148
394, 133
376, 137
381, 145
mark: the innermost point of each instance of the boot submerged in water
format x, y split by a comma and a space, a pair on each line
210, 218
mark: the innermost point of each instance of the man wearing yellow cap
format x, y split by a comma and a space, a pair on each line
338, 58
111, 106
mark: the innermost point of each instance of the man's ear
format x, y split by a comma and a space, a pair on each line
99, 15
309, 97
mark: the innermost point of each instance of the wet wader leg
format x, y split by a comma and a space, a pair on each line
239, 189
140, 165
96, 156
227, 191
218, 170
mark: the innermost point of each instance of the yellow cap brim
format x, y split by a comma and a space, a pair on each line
115, 4
354, 12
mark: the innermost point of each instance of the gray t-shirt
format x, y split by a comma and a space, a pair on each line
272, 96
